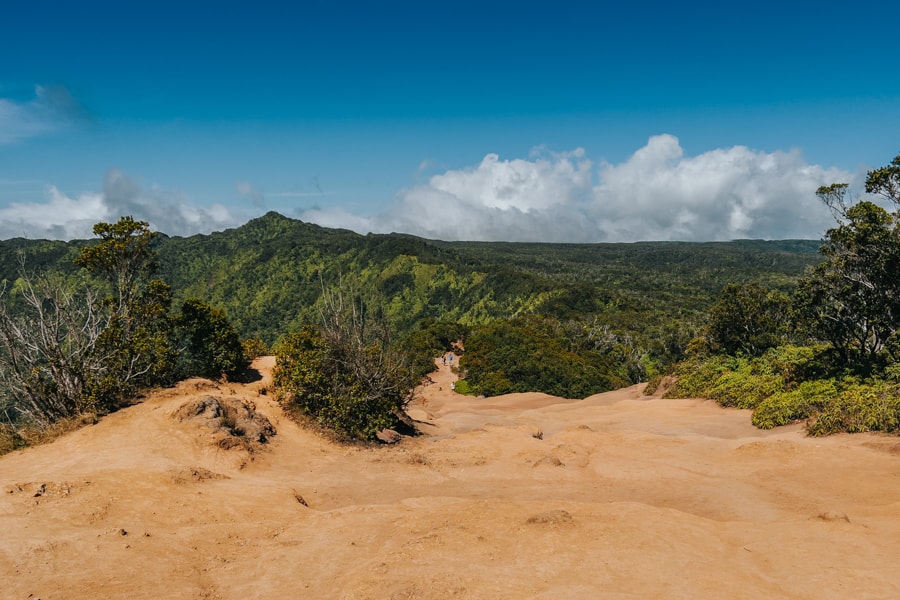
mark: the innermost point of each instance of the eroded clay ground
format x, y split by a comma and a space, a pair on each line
523, 496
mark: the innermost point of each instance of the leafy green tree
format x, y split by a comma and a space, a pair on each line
747, 319
137, 343
852, 299
432, 338
537, 354
124, 256
210, 346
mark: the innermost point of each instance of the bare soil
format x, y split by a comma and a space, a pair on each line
522, 496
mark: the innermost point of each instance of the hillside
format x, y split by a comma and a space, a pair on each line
268, 275
525, 495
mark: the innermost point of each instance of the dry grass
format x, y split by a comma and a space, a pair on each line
35, 435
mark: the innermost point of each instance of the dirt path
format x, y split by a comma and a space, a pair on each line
522, 496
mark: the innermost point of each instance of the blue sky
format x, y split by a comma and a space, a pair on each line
567, 121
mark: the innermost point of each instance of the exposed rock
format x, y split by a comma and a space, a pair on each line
237, 422
388, 436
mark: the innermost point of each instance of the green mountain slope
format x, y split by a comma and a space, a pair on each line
269, 273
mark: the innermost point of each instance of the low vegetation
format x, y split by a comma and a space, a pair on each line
828, 355
346, 374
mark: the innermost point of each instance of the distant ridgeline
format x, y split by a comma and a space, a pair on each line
268, 275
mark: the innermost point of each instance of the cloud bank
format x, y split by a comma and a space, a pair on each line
657, 194
63, 217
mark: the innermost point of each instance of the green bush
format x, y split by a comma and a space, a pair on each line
211, 347
744, 388
537, 354
353, 386
254, 348
696, 378
800, 403
794, 363
464, 387
861, 407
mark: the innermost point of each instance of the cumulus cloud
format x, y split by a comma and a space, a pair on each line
53, 108
657, 194
66, 217
719, 195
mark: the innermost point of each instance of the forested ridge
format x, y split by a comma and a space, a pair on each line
269, 274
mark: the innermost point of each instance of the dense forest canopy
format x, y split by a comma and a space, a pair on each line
268, 275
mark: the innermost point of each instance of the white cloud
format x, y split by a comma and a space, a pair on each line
499, 199
59, 218
657, 194
64, 217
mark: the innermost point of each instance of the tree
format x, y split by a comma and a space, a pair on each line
747, 319
138, 340
124, 256
209, 345
49, 349
852, 299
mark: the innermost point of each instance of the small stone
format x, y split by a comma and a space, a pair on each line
388, 436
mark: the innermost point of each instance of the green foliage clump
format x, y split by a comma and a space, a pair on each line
464, 387
747, 319
537, 354
696, 378
210, 346
254, 348
346, 374
745, 387
744, 382
802, 402
859, 408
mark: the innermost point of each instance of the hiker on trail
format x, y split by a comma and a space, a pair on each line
452, 386
444, 359
451, 359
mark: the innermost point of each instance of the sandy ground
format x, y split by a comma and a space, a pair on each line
522, 496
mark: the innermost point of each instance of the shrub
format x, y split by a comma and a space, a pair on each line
346, 375
464, 387
744, 388
211, 346
785, 407
795, 363
536, 354
9, 440
254, 348
861, 407
696, 378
